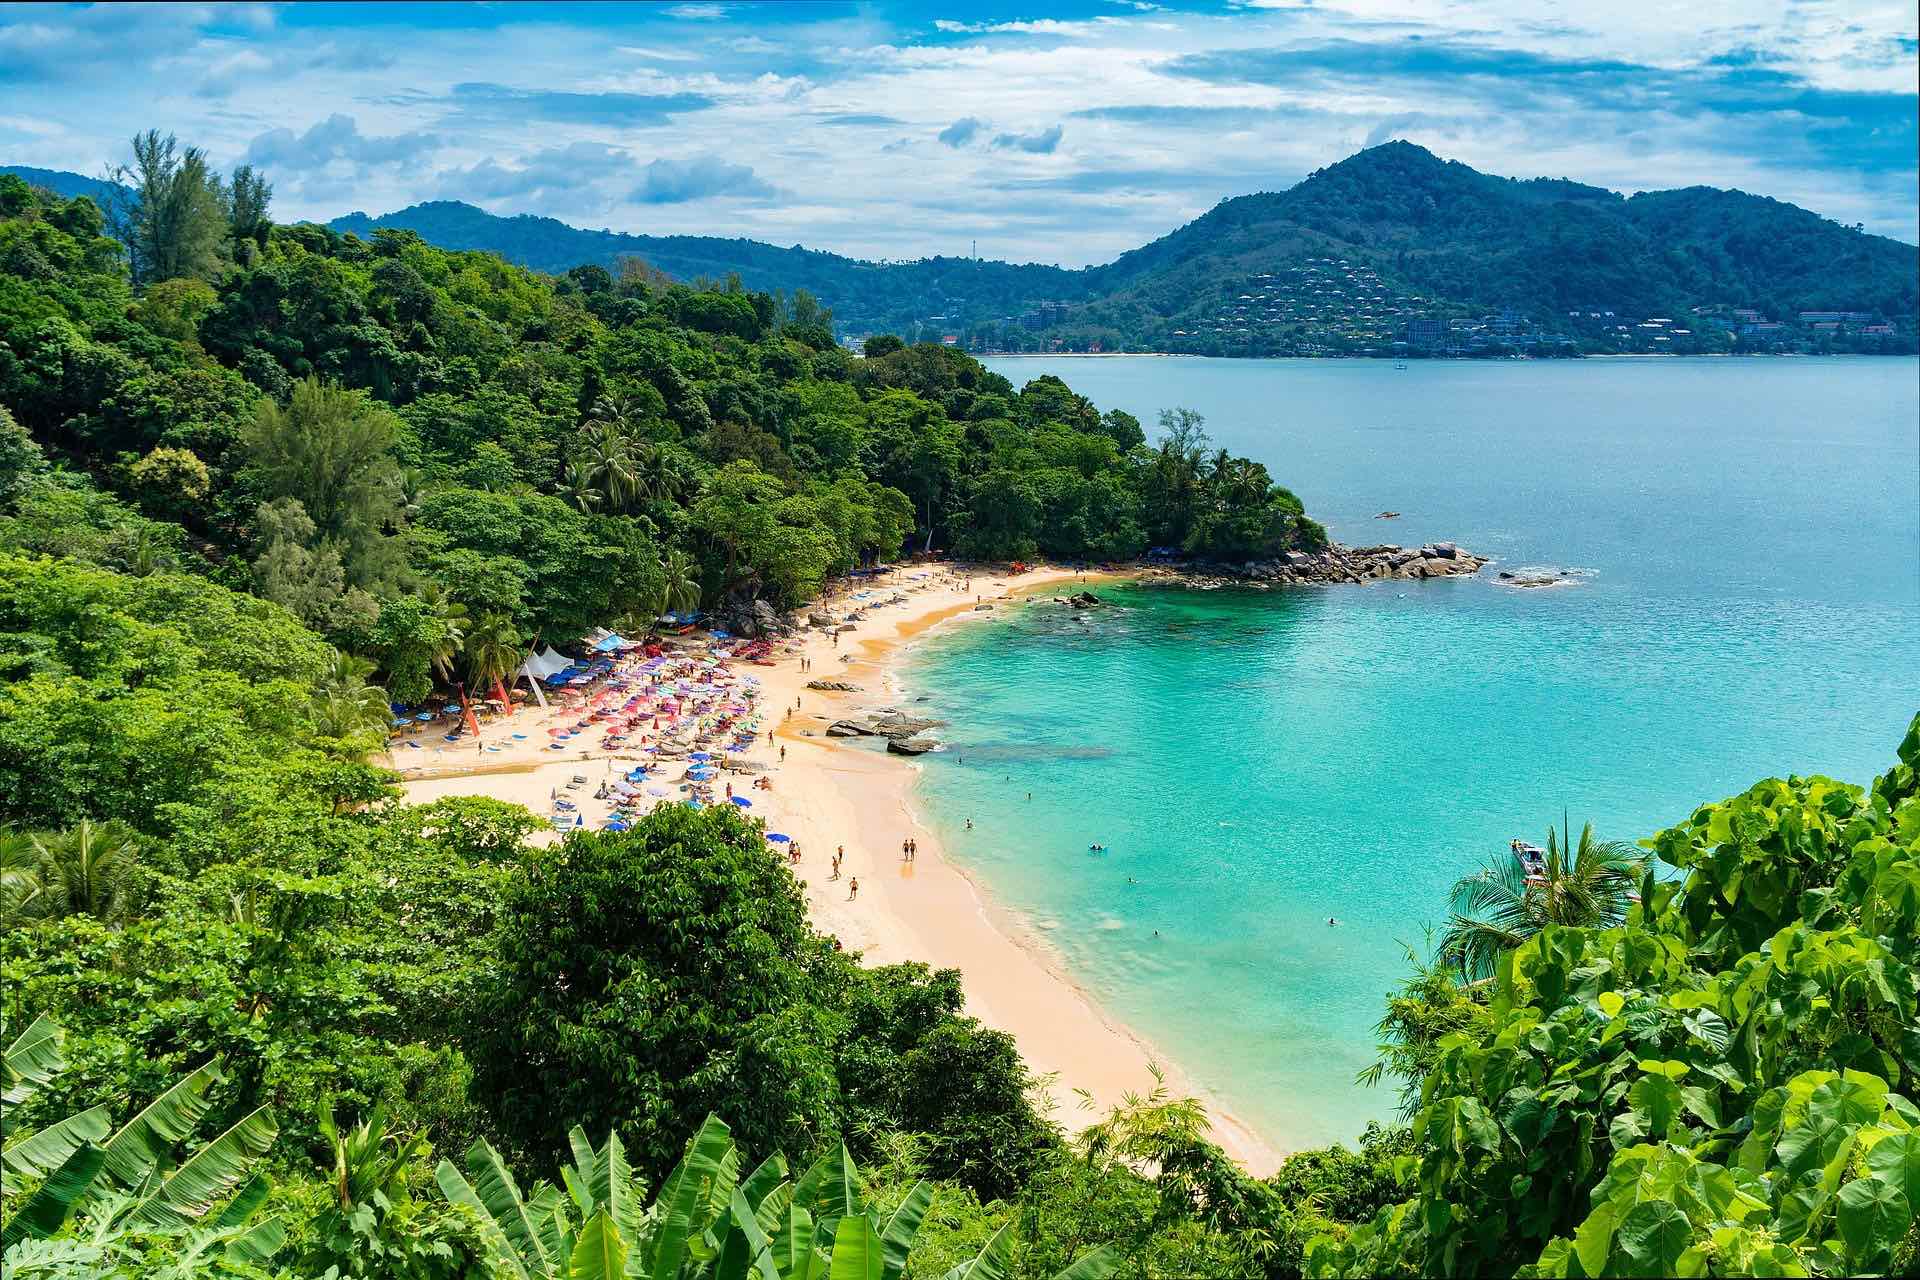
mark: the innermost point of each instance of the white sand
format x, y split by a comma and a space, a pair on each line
830, 793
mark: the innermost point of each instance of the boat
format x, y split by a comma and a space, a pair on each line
1532, 859
1399, 366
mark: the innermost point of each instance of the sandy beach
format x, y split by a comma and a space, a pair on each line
830, 793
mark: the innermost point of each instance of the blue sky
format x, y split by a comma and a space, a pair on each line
1057, 132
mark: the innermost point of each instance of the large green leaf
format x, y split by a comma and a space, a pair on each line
1652, 1237
168, 1119
599, 1253
1874, 1216
903, 1226
830, 1190
993, 1262
685, 1206
496, 1197
209, 1174
258, 1243
771, 1173
31, 1060
53, 1199
1896, 1158
458, 1190
1095, 1264
41, 1152
794, 1254
746, 1246
858, 1253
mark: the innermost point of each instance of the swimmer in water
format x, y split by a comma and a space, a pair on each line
1332, 921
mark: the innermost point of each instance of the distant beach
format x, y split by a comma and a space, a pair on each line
830, 793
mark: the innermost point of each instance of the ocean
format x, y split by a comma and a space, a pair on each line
1745, 535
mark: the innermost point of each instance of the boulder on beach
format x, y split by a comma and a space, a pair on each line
848, 729
910, 746
983, 606
834, 686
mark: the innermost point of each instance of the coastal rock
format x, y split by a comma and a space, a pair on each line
982, 606
910, 746
1085, 600
845, 626
834, 686
848, 729
819, 620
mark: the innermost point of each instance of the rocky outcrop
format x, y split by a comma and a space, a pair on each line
749, 617
833, 686
910, 746
1337, 564
888, 722
1085, 600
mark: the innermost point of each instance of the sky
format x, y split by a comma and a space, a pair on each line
1062, 132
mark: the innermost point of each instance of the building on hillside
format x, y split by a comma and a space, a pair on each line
1426, 332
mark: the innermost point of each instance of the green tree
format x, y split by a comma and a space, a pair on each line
493, 647
172, 221
345, 705
330, 449
691, 981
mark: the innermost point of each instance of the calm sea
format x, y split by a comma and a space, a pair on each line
1746, 536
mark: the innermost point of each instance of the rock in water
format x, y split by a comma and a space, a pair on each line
910, 746
833, 686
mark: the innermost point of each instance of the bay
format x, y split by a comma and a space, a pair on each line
1748, 604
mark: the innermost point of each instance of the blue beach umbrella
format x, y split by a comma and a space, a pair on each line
616, 826
778, 838
743, 802
424, 716
700, 755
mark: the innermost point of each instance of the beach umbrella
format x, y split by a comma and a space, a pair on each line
778, 838
402, 723
743, 802
424, 716
616, 826
699, 755
579, 820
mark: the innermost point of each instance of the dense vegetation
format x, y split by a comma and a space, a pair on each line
253, 1002
410, 449
1467, 243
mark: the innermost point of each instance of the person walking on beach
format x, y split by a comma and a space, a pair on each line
853, 888
906, 847
783, 755
913, 850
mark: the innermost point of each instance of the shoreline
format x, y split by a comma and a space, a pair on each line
831, 792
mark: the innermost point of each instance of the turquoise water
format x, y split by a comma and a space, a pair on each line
1257, 762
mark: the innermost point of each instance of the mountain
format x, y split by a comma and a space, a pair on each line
866, 297
64, 184
1435, 237
1392, 245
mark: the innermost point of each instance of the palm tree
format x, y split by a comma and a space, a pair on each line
24, 893
345, 705
1590, 885
579, 486
89, 869
680, 585
609, 462
453, 627
493, 649
618, 410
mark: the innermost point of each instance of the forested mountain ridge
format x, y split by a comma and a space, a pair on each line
866, 297
1340, 263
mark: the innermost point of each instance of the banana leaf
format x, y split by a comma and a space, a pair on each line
44, 1150
31, 1060
599, 1253
1095, 1264
459, 1191
858, 1253
902, 1228
993, 1262
830, 1190
47, 1208
208, 1174
686, 1203
172, 1117
795, 1255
